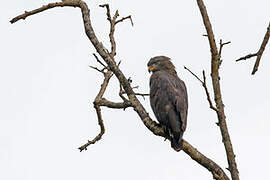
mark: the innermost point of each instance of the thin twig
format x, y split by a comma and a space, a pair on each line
247, 57
124, 18
118, 64
116, 14
99, 61
135, 87
121, 92
221, 44
204, 86
142, 94
99, 70
193, 74
207, 93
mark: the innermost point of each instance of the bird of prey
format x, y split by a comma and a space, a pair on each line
168, 99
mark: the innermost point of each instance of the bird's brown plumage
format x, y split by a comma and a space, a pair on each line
168, 98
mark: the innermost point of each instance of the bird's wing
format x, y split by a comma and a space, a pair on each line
181, 99
159, 97
177, 93
170, 88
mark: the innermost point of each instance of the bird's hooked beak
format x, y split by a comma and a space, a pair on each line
151, 68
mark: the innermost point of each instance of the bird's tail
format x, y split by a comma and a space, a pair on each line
177, 143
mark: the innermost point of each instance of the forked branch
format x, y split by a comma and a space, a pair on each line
221, 44
113, 21
259, 53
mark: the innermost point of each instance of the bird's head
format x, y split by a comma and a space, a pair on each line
160, 63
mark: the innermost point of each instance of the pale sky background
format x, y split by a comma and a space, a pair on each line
47, 90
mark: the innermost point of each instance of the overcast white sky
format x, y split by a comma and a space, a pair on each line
47, 90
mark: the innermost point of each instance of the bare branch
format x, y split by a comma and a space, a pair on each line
112, 28
205, 87
99, 70
43, 8
108, 11
207, 93
246, 57
121, 92
193, 74
118, 64
259, 53
124, 18
109, 104
113, 21
261, 50
116, 14
142, 94
216, 171
102, 130
114, 105
97, 103
135, 87
99, 61
217, 92
107, 77
221, 44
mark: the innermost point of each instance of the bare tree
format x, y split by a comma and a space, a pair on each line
128, 95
